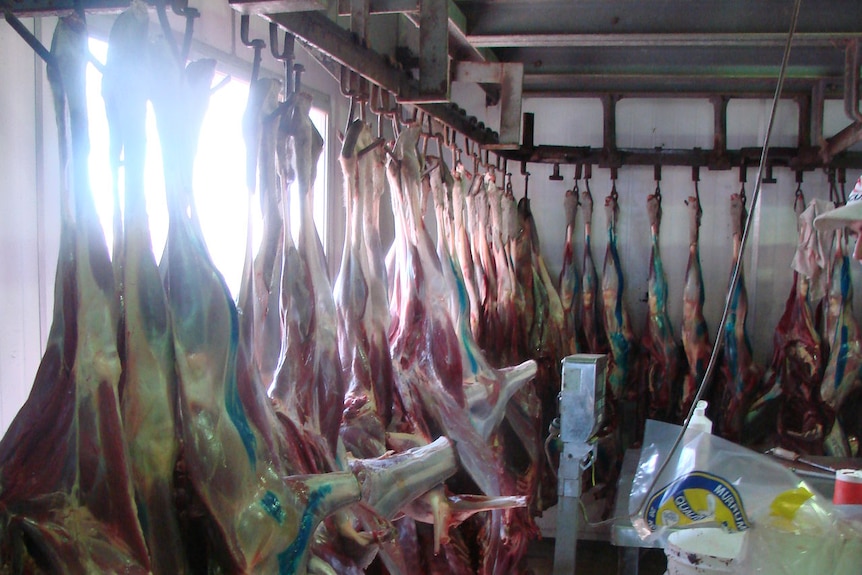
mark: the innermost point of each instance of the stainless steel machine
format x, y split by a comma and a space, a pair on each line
582, 410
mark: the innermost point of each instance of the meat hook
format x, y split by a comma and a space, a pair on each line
799, 197
657, 177
833, 189
743, 177
475, 157
375, 104
161, 10
258, 45
575, 188
695, 177
182, 8
285, 55
614, 194
842, 179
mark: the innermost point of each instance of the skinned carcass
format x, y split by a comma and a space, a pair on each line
841, 378
624, 396
543, 319
661, 352
462, 245
310, 382
256, 517
741, 376
695, 334
569, 281
426, 353
259, 299
487, 390
591, 318
149, 385
65, 488
362, 427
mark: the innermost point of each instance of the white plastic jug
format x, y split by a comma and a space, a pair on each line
703, 551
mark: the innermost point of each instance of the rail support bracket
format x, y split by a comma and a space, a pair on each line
510, 78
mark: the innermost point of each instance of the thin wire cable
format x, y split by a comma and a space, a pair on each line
734, 278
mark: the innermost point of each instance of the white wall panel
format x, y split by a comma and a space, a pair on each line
20, 336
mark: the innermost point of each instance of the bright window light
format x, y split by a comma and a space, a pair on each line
219, 175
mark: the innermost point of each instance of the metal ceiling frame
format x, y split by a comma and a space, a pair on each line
469, 27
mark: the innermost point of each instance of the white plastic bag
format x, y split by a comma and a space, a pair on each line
713, 482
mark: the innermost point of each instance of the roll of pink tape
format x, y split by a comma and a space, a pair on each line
848, 487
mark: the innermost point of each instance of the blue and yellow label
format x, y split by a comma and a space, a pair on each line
697, 497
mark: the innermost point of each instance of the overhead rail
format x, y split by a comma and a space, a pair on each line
451, 50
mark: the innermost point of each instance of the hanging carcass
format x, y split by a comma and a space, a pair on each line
65, 490
661, 352
591, 318
695, 334
569, 281
625, 397
841, 380
149, 384
741, 375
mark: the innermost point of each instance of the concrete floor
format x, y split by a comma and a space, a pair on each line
593, 558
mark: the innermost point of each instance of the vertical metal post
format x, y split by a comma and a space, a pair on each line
818, 98
434, 50
511, 91
851, 80
719, 137
359, 19
609, 132
529, 130
804, 137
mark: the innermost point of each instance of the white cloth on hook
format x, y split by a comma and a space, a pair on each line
811, 257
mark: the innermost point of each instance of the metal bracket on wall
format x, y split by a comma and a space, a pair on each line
719, 159
610, 153
510, 77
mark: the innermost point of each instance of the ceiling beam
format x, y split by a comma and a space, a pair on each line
589, 85
665, 40
839, 18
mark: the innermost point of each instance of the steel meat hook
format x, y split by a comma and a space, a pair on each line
657, 177
182, 8
285, 55
257, 44
799, 196
614, 194
575, 188
695, 177
842, 179
743, 177
834, 196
